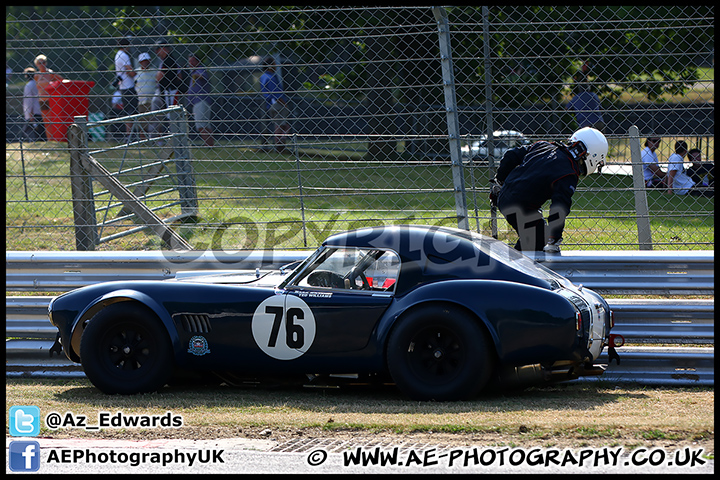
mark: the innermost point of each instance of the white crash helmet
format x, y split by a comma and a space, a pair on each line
596, 148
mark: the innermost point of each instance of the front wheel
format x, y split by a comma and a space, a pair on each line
125, 349
439, 353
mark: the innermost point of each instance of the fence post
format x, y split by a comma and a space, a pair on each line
183, 165
489, 111
296, 152
452, 116
86, 236
641, 205
22, 161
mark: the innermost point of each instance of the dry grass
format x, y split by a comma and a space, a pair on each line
570, 415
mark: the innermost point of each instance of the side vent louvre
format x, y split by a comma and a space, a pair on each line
195, 323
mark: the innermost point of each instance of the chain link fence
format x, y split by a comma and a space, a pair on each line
388, 115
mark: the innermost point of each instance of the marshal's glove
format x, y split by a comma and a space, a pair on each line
553, 245
495, 188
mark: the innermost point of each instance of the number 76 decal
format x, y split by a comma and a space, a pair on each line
283, 326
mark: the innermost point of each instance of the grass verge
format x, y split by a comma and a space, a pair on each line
560, 416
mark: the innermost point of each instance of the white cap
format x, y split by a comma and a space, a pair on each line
144, 56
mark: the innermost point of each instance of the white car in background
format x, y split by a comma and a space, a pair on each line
503, 140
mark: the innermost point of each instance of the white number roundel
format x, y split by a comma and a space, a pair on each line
283, 326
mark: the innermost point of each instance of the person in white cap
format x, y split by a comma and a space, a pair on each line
146, 86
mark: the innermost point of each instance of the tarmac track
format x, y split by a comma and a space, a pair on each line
327, 456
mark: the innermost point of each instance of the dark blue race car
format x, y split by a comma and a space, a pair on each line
440, 312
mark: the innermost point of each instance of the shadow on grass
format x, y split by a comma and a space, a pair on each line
341, 398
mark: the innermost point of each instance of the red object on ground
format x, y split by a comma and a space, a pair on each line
68, 99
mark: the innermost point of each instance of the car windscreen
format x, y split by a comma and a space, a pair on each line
348, 268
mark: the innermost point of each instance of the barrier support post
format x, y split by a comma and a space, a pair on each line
641, 204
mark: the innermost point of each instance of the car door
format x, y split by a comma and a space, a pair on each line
334, 305
343, 319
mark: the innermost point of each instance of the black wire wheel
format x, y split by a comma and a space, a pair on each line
125, 349
439, 353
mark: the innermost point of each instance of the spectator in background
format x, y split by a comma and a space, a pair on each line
117, 110
34, 128
146, 87
169, 77
158, 103
586, 104
652, 173
198, 96
677, 180
276, 103
126, 81
702, 173
43, 77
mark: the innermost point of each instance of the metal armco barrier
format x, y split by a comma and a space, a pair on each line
680, 322
680, 366
665, 321
607, 272
685, 326
64, 271
638, 272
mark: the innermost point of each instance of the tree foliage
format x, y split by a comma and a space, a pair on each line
534, 49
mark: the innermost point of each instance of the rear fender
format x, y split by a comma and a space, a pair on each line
435, 294
494, 304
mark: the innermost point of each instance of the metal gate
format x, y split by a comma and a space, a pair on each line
139, 180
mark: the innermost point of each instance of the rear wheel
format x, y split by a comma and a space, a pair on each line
125, 349
439, 353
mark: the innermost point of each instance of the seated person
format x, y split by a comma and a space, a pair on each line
678, 180
652, 173
702, 173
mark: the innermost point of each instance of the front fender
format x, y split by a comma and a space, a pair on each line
122, 295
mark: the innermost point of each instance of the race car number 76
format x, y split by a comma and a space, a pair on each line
294, 333
283, 327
